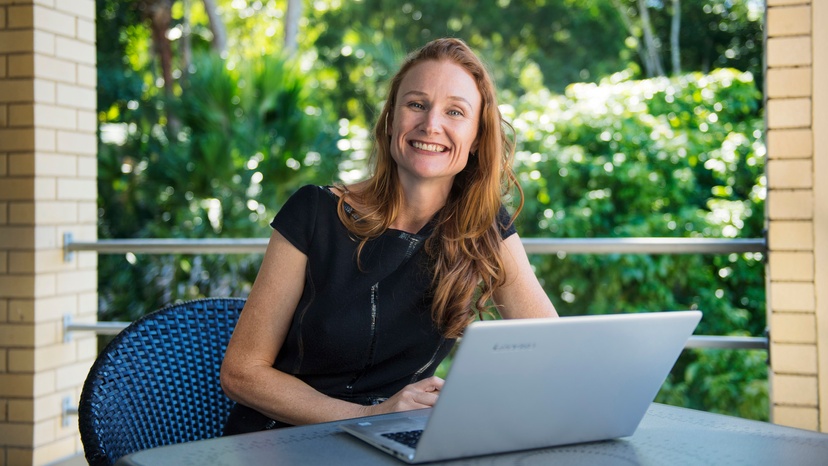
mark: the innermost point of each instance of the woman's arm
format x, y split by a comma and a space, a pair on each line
522, 295
247, 373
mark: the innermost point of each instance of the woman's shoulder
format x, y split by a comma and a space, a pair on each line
309, 190
323, 199
505, 222
309, 212
311, 194
351, 194
304, 205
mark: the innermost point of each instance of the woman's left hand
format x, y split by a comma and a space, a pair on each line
418, 395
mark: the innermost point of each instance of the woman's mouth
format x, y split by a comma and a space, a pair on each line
428, 147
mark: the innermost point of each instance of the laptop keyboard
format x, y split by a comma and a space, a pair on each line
409, 438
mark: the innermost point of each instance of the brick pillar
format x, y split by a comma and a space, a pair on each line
820, 100
48, 169
796, 241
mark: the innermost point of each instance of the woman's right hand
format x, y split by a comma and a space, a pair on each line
418, 395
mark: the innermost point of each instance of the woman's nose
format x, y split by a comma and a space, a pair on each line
433, 122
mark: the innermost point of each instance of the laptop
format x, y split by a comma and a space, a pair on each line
533, 383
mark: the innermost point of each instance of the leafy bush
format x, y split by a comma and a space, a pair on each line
679, 157
217, 161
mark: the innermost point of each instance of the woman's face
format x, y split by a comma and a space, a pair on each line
435, 122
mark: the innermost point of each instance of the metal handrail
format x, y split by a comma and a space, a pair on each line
727, 342
100, 328
695, 341
532, 245
644, 245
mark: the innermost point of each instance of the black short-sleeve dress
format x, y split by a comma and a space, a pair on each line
361, 332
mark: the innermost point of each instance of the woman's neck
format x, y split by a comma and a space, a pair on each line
420, 202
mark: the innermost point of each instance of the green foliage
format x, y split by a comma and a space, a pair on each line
216, 162
118, 33
361, 42
713, 33
720, 381
679, 157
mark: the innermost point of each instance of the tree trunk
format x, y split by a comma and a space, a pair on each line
186, 40
675, 51
631, 31
159, 13
294, 14
649, 40
219, 43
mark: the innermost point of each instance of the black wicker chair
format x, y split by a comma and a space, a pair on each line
157, 382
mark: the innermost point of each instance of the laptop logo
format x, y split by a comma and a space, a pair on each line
511, 347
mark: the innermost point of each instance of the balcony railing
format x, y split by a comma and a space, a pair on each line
532, 245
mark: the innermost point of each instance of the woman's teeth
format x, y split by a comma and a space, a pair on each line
428, 147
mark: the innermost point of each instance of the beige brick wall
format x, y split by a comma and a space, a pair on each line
820, 104
47, 188
796, 238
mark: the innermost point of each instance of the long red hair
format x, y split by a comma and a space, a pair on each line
464, 249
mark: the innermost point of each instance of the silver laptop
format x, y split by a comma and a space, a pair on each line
533, 383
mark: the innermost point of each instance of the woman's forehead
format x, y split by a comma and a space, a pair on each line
442, 78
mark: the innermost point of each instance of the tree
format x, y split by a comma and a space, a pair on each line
159, 15
654, 66
246, 135
714, 33
361, 42
219, 43
675, 28
294, 13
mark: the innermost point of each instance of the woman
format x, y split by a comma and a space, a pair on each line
364, 288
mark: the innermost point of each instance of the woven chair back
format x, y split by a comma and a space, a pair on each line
157, 382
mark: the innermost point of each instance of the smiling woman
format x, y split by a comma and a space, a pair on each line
364, 288
465, 209
434, 124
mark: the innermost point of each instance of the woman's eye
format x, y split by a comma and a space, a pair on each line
455, 113
416, 105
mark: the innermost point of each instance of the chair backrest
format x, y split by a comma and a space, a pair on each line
157, 382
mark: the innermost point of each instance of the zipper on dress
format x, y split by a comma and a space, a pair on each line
374, 314
413, 243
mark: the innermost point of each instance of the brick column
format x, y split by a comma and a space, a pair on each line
820, 100
48, 169
794, 238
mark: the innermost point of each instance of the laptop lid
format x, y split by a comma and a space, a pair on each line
532, 383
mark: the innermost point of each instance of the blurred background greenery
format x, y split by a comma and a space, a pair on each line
634, 118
